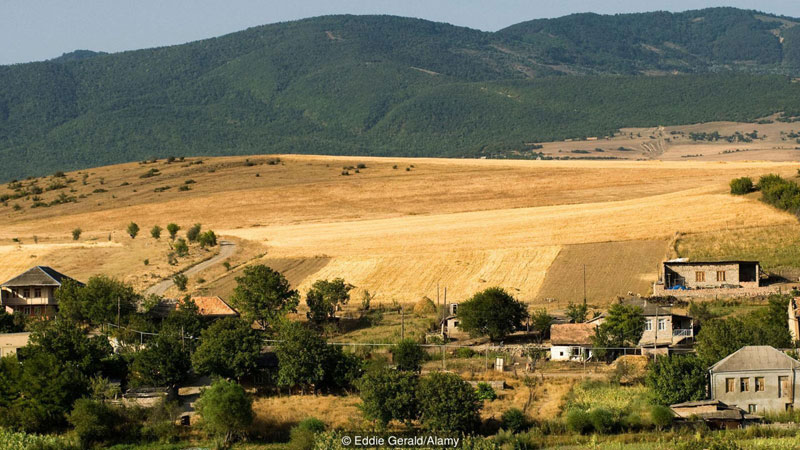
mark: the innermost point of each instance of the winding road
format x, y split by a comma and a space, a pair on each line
226, 249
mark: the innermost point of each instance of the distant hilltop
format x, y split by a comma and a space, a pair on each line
385, 85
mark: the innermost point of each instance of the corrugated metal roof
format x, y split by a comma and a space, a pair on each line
38, 276
755, 357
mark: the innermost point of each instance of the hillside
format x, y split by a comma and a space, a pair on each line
528, 226
382, 85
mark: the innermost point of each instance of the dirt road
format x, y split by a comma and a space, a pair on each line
226, 249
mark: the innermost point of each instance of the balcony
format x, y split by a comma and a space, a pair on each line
682, 332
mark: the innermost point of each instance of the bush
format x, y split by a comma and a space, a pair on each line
602, 420
193, 233
304, 433
661, 416
94, 421
155, 232
180, 281
484, 391
465, 352
207, 239
173, 228
388, 394
181, 247
76, 234
578, 421
408, 355
133, 230
513, 420
741, 186
448, 403
226, 409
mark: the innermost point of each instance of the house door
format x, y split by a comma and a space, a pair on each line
784, 388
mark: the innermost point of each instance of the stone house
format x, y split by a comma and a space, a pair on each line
794, 319
11, 342
758, 379
33, 292
684, 278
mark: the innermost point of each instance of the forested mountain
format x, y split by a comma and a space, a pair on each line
384, 85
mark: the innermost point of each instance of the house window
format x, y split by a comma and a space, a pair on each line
37, 292
455, 324
783, 387
729, 385
455, 309
751, 408
648, 325
720, 275
26, 292
759, 384
662, 324
744, 384
700, 277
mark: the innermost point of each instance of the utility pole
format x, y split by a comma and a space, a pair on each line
402, 322
584, 285
118, 312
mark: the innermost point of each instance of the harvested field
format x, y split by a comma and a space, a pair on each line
466, 224
612, 269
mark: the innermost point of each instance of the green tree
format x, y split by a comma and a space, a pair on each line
226, 410
76, 234
388, 395
164, 362
11, 323
677, 379
155, 232
492, 312
577, 312
325, 297
264, 295
229, 348
207, 239
448, 403
173, 229
95, 422
133, 230
181, 247
193, 232
302, 357
180, 281
741, 186
541, 321
408, 355
100, 301
623, 327
70, 344
185, 320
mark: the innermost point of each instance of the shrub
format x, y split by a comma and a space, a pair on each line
484, 391
661, 416
465, 352
513, 420
133, 230
741, 186
180, 281
94, 421
226, 409
226, 265
193, 232
602, 420
207, 239
76, 234
408, 355
173, 228
304, 433
448, 403
155, 232
578, 421
181, 247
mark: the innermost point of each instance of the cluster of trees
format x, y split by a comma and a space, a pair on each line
780, 192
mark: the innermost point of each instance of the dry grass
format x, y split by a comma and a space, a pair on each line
466, 224
612, 269
275, 415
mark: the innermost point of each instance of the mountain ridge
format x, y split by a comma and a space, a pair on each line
386, 85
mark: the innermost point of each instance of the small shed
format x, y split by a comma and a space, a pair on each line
571, 341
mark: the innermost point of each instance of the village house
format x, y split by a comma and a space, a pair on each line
33, 292
572, 341
684, 278
664, 331
11, 342
450, 324
758, 379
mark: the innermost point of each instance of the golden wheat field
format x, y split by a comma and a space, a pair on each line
397, 227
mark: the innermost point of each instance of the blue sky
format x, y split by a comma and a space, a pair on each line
33, 30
